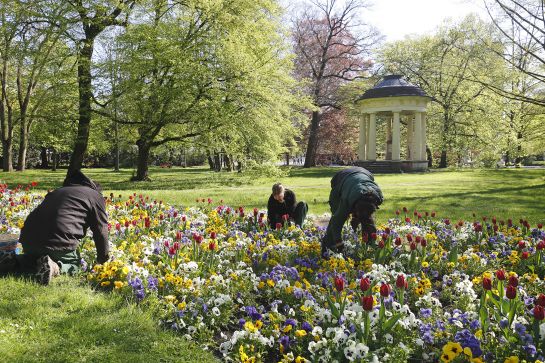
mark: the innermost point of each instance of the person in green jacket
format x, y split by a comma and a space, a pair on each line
353, 192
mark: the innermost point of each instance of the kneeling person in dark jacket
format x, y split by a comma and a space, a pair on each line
282, 202
51, 233
353, 192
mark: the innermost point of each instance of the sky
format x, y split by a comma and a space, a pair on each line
397, 18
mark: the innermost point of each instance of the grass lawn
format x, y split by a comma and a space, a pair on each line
68, 322
506, 193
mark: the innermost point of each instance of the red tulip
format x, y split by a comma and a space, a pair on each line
339, 283
413, 246
373, 236
213, 235
539, 312
423, 242
175, 214
540, 300
398, 241
525, 255
365, 284
407, 220
500, 274
433, 214
513, 281
285, 217
401, 283
212, 246
397, 212
521, 244
381, 244
385, 290
256, 212
176, 246
511, 292
487, 283
447, 222
367, 302
539, 225
409, 238
541, 245
278, 226
178, 236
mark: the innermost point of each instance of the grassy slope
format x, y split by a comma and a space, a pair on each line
68, 322
516, 193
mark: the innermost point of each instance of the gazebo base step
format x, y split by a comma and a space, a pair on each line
391, 166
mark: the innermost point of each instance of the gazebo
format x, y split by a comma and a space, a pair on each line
401, 109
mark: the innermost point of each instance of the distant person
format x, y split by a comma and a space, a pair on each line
353, 192
282, 202
52, 231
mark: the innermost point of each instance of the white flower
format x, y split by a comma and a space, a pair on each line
216, 311
389, 338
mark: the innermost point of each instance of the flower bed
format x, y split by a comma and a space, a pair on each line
426, 289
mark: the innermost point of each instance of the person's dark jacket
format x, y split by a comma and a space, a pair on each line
63, 217
347, 187
275, 209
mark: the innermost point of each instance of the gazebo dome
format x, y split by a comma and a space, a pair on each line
393, 86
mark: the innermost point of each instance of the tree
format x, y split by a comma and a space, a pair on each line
189, 71
93, 17
522, 26
442, 65
331, 48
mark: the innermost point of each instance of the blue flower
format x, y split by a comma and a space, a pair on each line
530, 350
425, 313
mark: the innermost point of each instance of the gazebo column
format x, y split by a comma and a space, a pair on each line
424, 140
362, 145
410, 148
396, 147
372, 145
388, 151
418, 136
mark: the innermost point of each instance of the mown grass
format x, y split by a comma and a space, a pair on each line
505, 193
69, 322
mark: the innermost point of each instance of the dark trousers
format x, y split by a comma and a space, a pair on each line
300, 213
68, 261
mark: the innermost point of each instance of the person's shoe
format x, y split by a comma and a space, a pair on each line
8, 262
47, 269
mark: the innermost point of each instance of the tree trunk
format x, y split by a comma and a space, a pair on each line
287, 159
143, 160
217, 162
7, 154
23, 144
211, 162
43, 157
446, 123
430, 157
54, 160
443, 159
116, 147
310, 159
85, 96
228, 162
